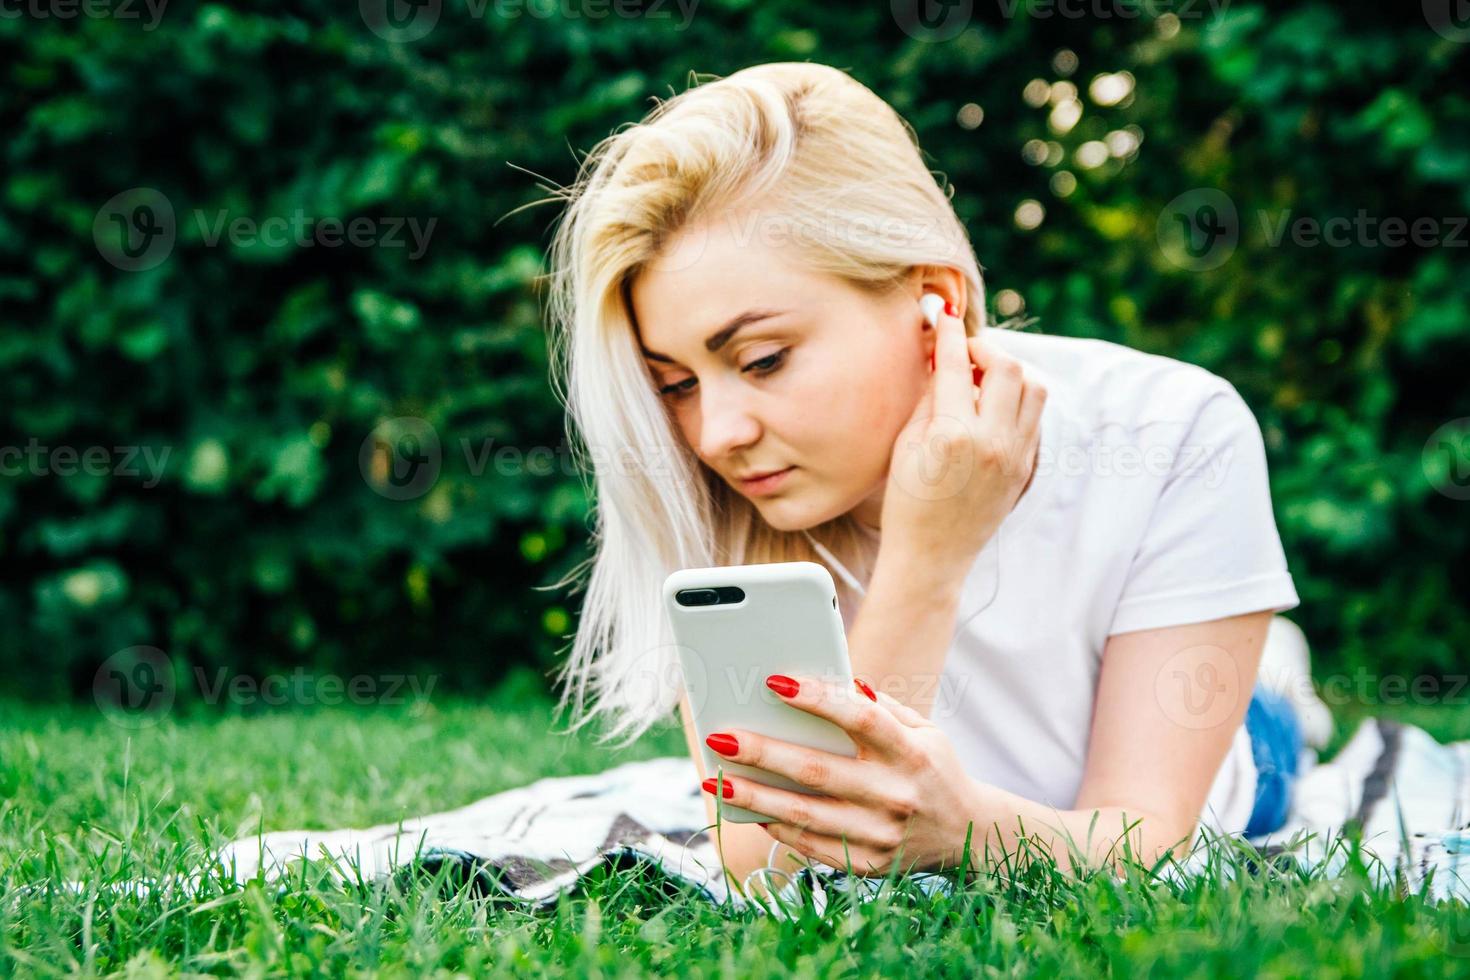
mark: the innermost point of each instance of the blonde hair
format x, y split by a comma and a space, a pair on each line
806, 142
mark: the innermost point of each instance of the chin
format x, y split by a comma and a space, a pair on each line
793, 513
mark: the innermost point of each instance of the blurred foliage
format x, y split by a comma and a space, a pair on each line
255, 370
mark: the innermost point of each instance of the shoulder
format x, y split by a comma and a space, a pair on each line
1105, 385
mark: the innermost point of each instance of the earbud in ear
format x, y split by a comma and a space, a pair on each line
932, 304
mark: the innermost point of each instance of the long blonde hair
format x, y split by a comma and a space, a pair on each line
810, 144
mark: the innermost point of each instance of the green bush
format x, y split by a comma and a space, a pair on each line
228, 383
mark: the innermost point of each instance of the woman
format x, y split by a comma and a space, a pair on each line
1058, 585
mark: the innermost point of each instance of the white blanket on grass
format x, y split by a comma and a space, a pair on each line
1392, 788
1406, 796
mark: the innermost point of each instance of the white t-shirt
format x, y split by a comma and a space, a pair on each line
1149, 507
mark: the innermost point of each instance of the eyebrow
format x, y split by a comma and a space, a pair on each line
721, 336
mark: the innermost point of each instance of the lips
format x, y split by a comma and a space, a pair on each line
762, 475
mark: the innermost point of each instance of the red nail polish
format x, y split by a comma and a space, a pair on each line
949, 308
977, 374
722, 743
868, 691
783, 685
728, 790
765, 825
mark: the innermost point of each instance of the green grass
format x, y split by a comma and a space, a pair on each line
83, 799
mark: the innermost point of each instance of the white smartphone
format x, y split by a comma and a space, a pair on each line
735, 625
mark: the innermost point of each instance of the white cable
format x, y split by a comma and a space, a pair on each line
766, 873
837, 566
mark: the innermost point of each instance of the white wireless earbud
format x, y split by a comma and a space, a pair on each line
932, 304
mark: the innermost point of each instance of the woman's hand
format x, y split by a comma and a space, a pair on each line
963, 458
904, 801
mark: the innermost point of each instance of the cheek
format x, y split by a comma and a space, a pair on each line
860, 412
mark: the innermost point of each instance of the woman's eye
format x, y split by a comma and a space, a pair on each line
761, 366
767, 364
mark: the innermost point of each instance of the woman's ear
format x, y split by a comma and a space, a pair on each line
943, 281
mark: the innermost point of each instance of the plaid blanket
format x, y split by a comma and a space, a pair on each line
1408, 794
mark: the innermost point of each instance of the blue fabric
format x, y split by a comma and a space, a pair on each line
1276, 743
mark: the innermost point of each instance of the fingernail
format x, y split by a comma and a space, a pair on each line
765, 825
723, 744
709, 787
861, 686
977, 374
783, 685
931, 360
949, 308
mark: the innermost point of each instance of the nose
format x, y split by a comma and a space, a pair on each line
727, 422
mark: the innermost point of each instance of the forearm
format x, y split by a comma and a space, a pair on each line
1079, 838
903, 630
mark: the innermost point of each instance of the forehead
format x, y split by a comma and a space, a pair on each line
714, 270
